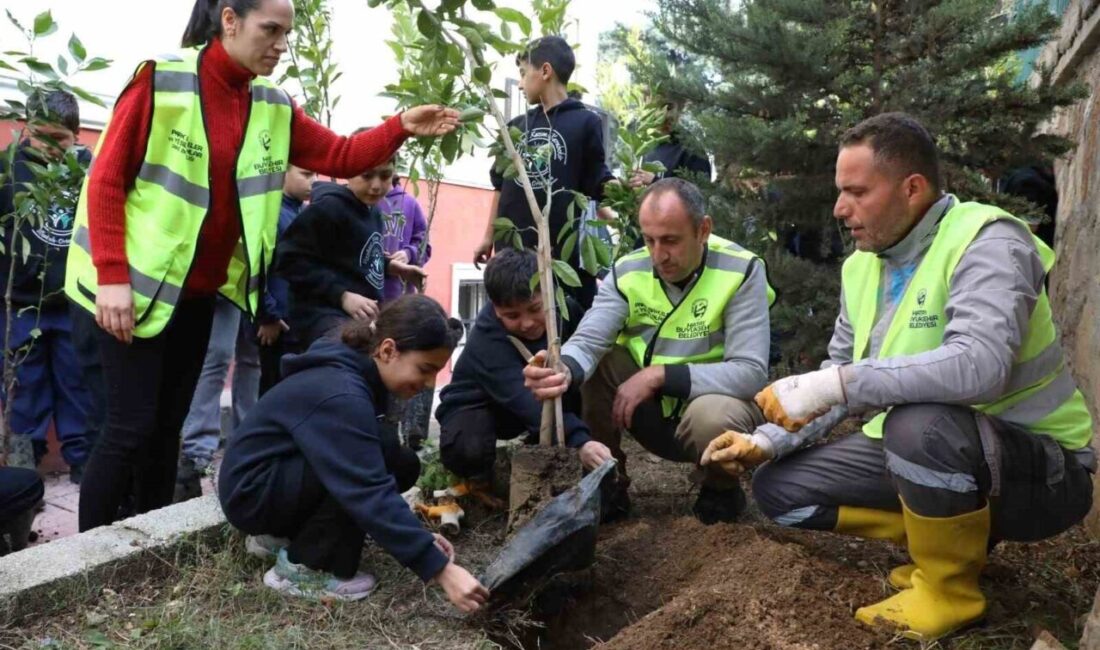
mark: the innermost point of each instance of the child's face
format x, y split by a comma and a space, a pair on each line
52, 140
372, 185
532, 81
526, 319
407, 373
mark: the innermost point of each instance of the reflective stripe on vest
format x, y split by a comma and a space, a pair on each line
1040, 394
171, 197
657, 332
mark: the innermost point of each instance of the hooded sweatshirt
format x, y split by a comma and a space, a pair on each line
42, 273
335, 245
406, 230
578, 163
490, 372
326, 409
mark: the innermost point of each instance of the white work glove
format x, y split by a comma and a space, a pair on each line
792, 402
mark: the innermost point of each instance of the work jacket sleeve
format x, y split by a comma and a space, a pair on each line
743, 371
596, 332
843, 341
993, 292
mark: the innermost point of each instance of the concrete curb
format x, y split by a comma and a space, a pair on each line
52, 576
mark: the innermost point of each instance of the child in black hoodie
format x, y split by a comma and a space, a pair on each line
486, 399
310, 463
333, 255
577, 161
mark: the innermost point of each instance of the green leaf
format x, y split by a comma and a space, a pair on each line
483, 5
76, 48
570, 244
39, 66
44, 24
62, 64
471, 114
534, 282
589, 260
36, 333
97, 63
448, 146
15, 22
425, 22
563, 308
517, 240
26, 249
483, 74
514, 16
567, 274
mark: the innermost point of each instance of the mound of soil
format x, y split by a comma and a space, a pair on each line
671, 582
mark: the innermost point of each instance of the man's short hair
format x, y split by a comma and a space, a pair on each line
56, 107
554, 50
695, 204
900, 142
508, 277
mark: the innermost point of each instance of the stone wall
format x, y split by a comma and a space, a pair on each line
1075, 282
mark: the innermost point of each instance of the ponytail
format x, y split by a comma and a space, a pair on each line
206, 19
414, 322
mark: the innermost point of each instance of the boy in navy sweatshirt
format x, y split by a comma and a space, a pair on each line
486, 399
577, 161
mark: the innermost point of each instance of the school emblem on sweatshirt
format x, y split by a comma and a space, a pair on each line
372, 261
56, 229
537, 162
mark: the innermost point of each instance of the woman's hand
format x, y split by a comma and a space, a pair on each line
462, 589
431, 120
114, 311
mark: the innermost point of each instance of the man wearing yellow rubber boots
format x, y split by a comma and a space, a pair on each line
945, 322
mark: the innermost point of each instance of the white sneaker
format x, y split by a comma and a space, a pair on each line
300, 580
265, 547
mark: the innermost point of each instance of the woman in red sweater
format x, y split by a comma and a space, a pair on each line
150, 381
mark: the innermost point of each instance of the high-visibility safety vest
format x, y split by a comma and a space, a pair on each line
171, 197
1040, 394
693, 330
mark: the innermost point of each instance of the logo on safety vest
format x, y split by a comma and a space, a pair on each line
265, 139
922, 295
699, 308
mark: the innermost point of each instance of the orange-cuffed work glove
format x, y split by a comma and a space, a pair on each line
734, 452
792, 402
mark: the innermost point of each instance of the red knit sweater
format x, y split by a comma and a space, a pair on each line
225, 102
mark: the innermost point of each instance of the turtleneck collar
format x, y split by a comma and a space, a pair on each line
217, 62
921, 236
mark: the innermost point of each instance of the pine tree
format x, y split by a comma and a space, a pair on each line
772, 84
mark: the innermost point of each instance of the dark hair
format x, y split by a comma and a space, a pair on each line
56, 107
554, 50
206, 19
414, 322
899, 141
692, 199
508, 276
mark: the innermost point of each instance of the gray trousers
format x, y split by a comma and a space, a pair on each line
231, 338
943, 461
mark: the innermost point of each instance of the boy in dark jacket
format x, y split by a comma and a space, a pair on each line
273, 331
577, 161
334, 259
49, 384
486, 399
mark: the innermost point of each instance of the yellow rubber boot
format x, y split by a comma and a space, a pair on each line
949, 554
877, 524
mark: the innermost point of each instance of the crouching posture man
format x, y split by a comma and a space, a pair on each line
674, 347
944, 321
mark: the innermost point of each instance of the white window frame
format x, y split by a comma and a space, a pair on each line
461, 272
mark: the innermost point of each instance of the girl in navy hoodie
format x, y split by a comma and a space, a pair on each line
309, 472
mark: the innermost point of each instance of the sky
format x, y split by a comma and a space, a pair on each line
127, 31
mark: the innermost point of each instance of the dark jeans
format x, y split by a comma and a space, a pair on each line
271, 357
20, 490
297, 506
935, 458
150, 383
86, 343
468, 439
